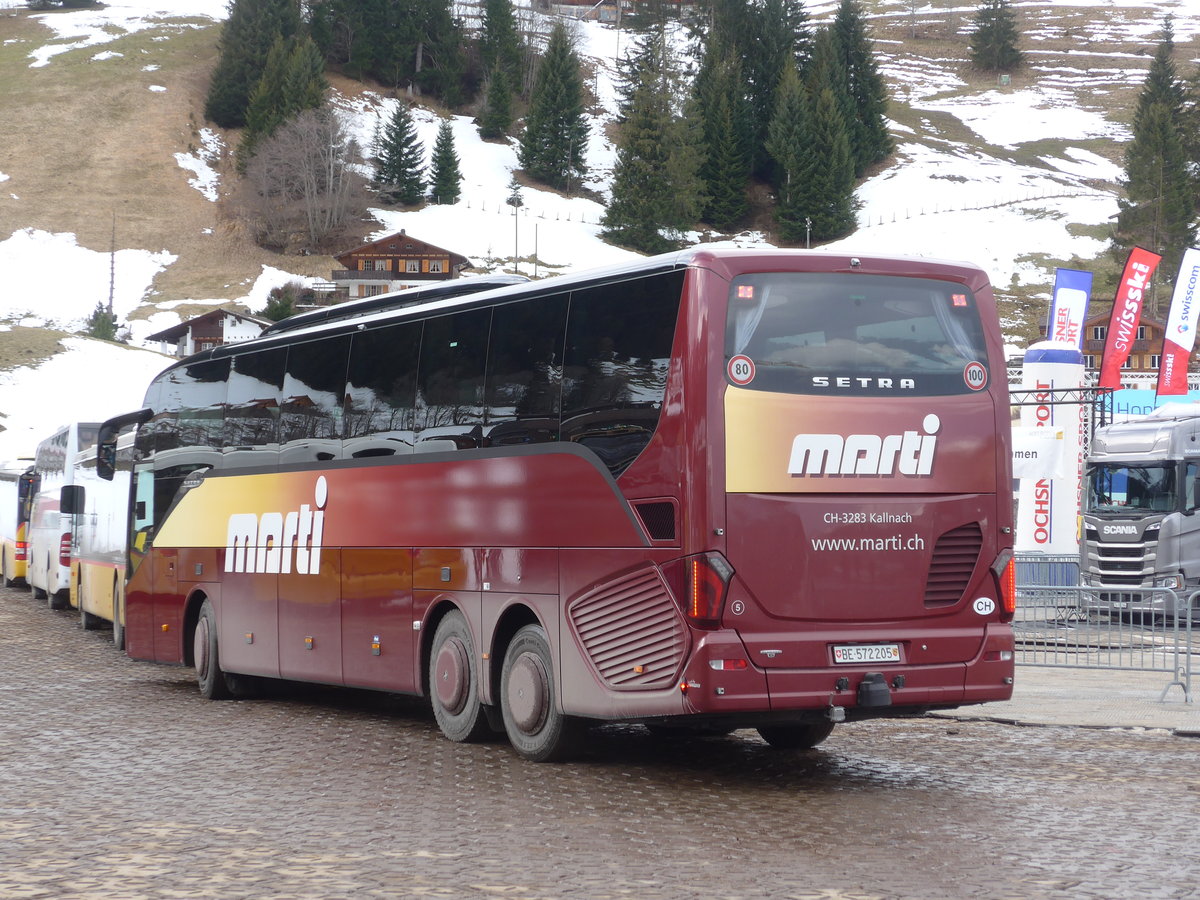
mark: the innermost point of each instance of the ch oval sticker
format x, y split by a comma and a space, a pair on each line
985, 606
740, 369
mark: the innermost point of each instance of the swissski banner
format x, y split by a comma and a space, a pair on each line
1126, 314
1180, 336
1068, 309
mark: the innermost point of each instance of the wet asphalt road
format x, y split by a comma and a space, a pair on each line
118, 781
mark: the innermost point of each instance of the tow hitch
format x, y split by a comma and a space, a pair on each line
873, 690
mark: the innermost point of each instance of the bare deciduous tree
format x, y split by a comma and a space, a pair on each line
304, 188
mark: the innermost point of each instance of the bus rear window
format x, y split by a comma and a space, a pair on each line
824, 332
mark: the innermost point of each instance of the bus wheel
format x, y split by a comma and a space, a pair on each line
454, 681
207, 657
537, 730
795, 737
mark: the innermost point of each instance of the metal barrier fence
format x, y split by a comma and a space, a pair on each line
1061, 624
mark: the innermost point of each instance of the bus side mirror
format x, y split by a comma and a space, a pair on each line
71, 499
106, 441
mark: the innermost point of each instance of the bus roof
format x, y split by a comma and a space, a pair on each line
726, 261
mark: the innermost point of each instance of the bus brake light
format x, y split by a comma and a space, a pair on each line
64, 550
1008, 591
21, 553
707, 584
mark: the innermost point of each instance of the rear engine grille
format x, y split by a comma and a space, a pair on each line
953, 563
631, 631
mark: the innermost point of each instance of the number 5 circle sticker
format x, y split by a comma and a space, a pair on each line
975, 375
740, 370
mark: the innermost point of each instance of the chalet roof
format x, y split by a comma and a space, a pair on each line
399, 244
175, 332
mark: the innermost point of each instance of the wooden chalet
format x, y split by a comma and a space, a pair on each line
1146, 354
394, 263
212, 329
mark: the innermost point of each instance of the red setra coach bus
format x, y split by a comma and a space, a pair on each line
707, 490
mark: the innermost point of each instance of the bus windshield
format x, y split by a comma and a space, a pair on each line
807, 332
1117, 487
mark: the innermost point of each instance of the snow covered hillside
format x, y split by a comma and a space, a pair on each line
1009, 177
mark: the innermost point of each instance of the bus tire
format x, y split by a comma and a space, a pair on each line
207, 656
536, 728
795, 737
58, 599
454, 682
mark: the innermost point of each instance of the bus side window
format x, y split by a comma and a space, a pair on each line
450, 381
314, 391
252, 415
618, 351
381, 391
524, 377
200, 392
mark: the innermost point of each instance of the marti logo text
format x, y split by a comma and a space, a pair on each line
908, 453
271, 542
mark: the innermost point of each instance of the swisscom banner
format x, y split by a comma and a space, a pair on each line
1068, 310
1180, 336
1126, 314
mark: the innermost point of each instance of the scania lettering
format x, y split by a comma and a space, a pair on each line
617, 495
1141, 530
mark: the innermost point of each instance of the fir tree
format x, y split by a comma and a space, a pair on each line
994, 38
829, 199
293, 80
251, 30
788, 144
400, 172
556, 132
724, 114
102, 324
496, 117
499, 43
1157, 211
656, 186
869, 139
445, 178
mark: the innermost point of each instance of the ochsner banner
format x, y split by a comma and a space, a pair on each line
1180, 337
1126, 314
1068, 309
1048, 500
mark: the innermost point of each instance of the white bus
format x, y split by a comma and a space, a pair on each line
100, 508
50, 530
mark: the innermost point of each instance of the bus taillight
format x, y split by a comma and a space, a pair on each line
64, 549
705, 584
1005, 568
21, 553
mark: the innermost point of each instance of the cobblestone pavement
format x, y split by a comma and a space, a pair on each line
118, 781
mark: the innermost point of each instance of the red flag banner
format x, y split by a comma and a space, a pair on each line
1180, 336
1126, 314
